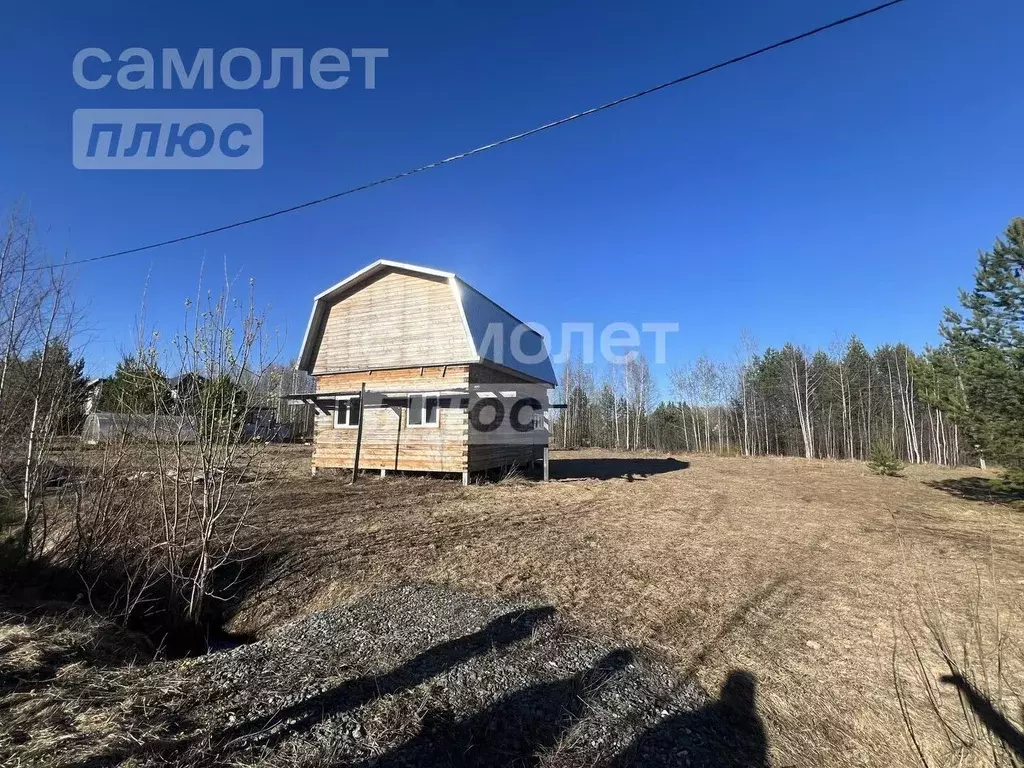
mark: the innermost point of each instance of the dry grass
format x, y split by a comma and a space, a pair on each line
69, 687
832, 586
801, 572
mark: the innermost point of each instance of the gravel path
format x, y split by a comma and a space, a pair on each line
423, 676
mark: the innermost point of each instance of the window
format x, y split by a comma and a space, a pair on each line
423, 410
346, 413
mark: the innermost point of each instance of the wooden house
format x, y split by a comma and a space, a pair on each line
405, 359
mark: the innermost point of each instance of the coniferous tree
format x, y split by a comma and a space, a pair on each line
985, 350
65, 378
884, 460
61, 389
131, 388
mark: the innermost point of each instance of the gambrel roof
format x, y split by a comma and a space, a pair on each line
491, 332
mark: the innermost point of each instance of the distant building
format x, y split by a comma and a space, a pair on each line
93, 393
185, 386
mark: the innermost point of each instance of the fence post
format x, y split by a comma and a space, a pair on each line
359, 432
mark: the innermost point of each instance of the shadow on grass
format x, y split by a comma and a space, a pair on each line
42, 640
726, 732
994, 720
613, 468
987, 489
524, 726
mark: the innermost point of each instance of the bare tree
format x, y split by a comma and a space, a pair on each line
640, 393
37, 322
154, 520
803, 387
208, 474
747, 352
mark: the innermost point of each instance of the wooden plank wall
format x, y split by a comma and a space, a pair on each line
396, 319
388, 441
489, 456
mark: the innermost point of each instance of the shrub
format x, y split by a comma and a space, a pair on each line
884, 461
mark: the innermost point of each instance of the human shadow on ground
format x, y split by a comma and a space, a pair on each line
611, 468
994, 720
516, 730
352, 694
519, 729
726, 733
989, 489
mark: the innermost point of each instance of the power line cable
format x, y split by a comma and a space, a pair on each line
498, 143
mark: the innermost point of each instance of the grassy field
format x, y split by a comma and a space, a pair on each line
813, 576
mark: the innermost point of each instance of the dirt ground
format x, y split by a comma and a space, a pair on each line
809, 575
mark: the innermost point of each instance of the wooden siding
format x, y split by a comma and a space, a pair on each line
395, 320
388, 440
482, 373
488, 456
492, 456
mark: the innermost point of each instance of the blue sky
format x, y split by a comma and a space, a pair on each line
841, 185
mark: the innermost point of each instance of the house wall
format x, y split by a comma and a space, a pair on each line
486, 456
388, 440
394, 320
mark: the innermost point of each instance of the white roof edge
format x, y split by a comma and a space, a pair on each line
300, 364
376, 266
454, 281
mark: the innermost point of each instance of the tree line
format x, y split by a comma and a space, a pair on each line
959, 402
780, 402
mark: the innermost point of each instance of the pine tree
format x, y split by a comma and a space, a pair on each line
986, 348
135, 387
884, 460
61, 390
65, 377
